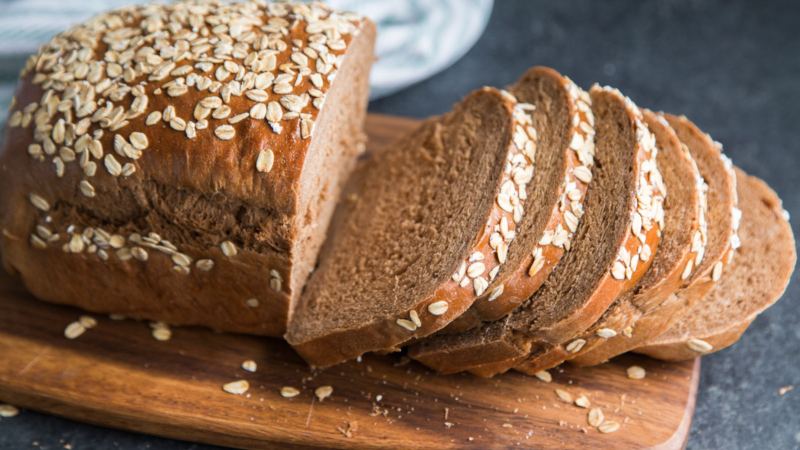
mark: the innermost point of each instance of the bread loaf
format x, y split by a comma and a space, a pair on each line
181, 162
682, 244
413, 242
654, 318
564, 157
755, 279
606, 255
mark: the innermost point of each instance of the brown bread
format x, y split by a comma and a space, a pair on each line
755, 279
411, 244
654, 319
135, 165
681, 243
604, 259
564, 126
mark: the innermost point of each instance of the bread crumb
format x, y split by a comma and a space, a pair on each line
785, 389
352, 427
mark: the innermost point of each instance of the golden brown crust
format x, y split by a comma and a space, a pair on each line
520, 284
84, 135
457, 293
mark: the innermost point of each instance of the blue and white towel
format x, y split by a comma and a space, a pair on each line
416, 38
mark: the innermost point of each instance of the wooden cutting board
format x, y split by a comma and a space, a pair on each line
118, 375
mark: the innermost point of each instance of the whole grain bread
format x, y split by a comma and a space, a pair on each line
564, 150
610, 250
682, 240
176, 163
655, 318
755, 279
412, 245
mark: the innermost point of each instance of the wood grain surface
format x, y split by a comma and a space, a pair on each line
118, 375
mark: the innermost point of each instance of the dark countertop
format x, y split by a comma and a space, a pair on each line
731, 66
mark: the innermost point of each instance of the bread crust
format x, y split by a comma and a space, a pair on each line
387, 333
520, 284
119, 182
674, 344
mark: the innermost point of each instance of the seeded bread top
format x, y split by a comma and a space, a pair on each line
199, 95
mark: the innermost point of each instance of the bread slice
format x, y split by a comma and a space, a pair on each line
756, 279
186, 183
565, 144
610, 250
411, 245
682, 240
719, 239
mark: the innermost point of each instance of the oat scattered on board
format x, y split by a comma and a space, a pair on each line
609, 426
323, 392
289, 392
595, 417
74, 330
582, 402
7, 410
544, 376
249, 365
564, 396
636, 372
238, 387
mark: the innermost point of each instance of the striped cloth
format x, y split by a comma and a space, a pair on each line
416, 38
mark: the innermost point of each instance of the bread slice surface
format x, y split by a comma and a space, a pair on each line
656, 319
564, 127
754, 281
603, 261
410, 248
682, 240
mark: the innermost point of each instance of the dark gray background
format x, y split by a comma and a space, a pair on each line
731, 66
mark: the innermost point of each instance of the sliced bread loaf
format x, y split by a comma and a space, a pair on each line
755, 279
654, 319
610, 250
564, 151
416, 213
681, 243
185, 183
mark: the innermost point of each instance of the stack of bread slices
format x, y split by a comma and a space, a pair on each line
587, 228
184, 163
